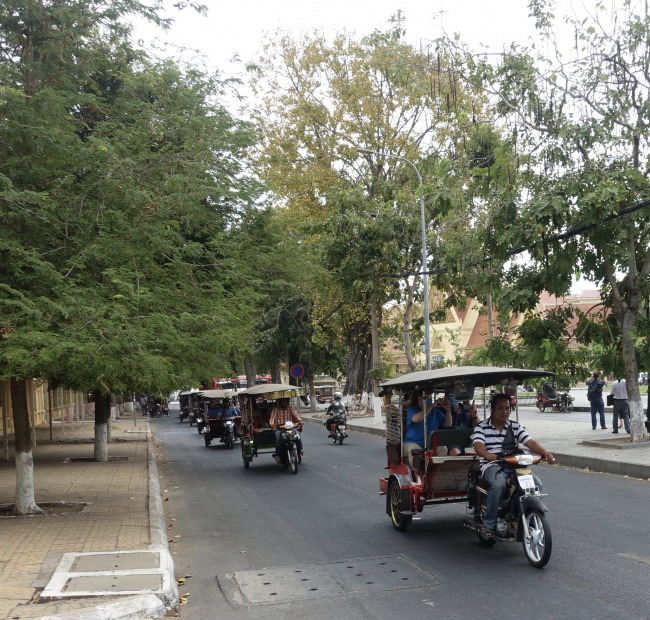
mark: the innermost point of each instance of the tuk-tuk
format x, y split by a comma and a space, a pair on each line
257, 437
430, 479
185, 404
221, 428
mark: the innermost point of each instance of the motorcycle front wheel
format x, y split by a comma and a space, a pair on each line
293, 459
569, 407
541, 406
538, 543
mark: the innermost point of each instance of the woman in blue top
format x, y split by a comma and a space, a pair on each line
437, 417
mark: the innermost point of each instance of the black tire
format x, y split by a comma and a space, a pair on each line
247, 463
341, 438
400, 522
207, 439
541, 406
539, 547
569, 407
292, 457
561, 407
232, 441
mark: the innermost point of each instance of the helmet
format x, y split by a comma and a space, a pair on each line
338, 396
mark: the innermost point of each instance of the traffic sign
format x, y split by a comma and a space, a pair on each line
296, 371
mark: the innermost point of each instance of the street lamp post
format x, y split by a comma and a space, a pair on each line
424, 251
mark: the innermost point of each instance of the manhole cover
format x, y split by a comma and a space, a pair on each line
392, 573
275, 585
118, 561
116, 583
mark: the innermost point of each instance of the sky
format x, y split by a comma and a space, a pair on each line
239, 27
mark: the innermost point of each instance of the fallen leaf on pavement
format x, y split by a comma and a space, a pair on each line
167, 499
242, 552
180, 581
171, 540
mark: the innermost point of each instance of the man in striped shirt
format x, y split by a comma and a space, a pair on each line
489, 436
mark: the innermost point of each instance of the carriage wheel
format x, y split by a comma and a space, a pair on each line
400, 521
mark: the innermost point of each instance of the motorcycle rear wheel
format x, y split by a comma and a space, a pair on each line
207, 439
569, 407
562, 407
341, 438
539, 545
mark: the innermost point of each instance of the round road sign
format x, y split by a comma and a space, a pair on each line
296, 371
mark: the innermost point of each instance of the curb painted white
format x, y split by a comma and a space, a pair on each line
131, 608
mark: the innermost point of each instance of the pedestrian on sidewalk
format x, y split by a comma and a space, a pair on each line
621, 406
595, 395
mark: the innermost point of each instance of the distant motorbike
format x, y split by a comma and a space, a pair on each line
184, 414
548, 398
338, 430
190, 417
200, 423
228, 432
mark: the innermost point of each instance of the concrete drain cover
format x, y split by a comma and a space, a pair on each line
275, 585
118, 583
115, 561
106, 573
393, 573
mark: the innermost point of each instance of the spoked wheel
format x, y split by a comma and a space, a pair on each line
538, 544
562, 406
293, 459
400, 521
541, 406
569, 407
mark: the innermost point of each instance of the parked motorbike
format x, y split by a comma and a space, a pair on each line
157, 411
289, 456
548, 398
522, 514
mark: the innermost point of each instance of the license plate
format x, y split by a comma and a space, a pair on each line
342, 427
526, 482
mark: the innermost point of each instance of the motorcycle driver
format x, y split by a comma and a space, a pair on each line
337, 410
489, 436
284, 412
230, 411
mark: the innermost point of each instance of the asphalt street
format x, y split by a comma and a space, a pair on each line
226, 520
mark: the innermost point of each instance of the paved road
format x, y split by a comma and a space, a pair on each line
234, 519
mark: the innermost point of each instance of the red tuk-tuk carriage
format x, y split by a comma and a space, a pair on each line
220, 428
435, 480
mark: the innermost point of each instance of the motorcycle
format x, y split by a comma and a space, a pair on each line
522, 514
548, 398
228, 432
200, 422
338, 433
289, 456
184, 414
190, 417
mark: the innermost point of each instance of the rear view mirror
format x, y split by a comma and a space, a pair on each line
464, 390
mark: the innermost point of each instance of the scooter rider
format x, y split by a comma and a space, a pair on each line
337, 410
489, 438
230, 411
284, 412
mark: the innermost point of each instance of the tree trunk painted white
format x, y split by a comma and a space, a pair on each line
128, 402
101, 442
102, 422
25, 503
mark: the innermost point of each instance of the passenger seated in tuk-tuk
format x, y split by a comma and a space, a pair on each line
284, 412
438, 416
463, 415
261, 415
214, 410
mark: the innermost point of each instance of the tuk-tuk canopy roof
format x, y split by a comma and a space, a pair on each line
481, 376
188, 392
272, 390
216, 393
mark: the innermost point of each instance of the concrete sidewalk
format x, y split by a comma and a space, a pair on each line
557, 434
117, 516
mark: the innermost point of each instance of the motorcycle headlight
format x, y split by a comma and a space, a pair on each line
524, 459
